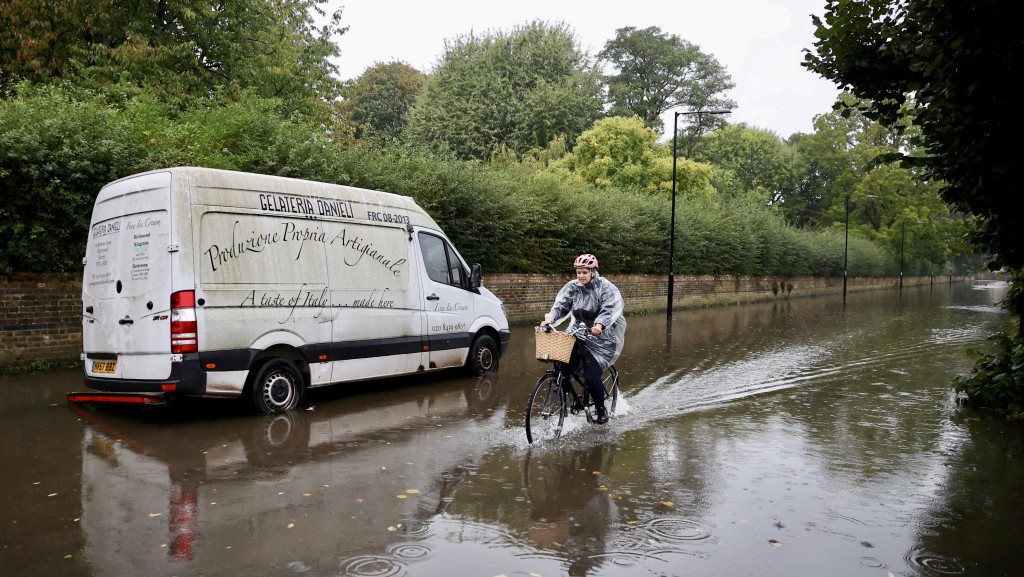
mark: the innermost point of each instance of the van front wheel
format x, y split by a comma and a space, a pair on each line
277, 388
483, 356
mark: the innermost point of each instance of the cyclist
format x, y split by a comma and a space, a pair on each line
594, 301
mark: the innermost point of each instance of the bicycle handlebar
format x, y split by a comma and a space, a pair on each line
581, 330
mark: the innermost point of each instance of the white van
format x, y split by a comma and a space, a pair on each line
202, 282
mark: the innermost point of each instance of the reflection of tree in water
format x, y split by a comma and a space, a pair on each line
975, 528
569, 507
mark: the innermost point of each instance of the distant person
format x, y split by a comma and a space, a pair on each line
595, 302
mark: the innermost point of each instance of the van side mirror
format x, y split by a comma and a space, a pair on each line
475, 276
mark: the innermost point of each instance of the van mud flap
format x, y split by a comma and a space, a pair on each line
148, 399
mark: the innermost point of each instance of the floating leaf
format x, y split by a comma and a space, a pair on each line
290, 525
392, 528
775, 543
307, 494
412, 491
151, 515
52, 495
401, 496
666, 503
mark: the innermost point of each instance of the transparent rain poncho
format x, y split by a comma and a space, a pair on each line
597, 302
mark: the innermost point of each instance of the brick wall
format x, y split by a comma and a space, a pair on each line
40, 316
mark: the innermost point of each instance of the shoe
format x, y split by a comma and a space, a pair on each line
602, 415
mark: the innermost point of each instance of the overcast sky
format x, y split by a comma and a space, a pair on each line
759, 42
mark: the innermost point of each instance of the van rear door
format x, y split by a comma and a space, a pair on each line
126, 286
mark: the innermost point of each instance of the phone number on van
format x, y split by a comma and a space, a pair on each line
387, 217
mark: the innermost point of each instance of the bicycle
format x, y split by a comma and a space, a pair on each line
555, 397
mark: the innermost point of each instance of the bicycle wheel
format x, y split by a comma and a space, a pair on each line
545, 411
611, 389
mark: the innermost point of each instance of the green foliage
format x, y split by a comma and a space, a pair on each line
517, 90
249, 134
377, 102
760, 162
656, 71
57, 148
60, 145
185, 49
951, 58
619, 152
512, 218
997, 381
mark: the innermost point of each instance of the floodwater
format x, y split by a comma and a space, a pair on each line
798, 438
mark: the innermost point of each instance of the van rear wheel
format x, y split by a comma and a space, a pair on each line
483, 356
277, 387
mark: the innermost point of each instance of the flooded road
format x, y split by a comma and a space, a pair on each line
796, 438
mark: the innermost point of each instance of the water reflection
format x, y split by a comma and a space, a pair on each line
255, 493
570, 508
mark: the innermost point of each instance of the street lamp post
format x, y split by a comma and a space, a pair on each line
672, 223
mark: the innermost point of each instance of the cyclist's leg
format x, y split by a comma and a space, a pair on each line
592, 379
610, 380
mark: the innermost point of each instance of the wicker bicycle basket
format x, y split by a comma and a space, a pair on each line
554, 346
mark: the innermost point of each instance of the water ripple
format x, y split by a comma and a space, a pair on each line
935, 564
410, 552
370, 566
677, 529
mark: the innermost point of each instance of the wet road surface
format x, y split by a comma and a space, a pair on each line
790, 438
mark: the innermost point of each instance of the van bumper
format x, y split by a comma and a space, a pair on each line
186, 378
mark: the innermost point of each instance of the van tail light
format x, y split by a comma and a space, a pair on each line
184, 332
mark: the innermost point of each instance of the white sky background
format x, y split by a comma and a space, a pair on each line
759, 42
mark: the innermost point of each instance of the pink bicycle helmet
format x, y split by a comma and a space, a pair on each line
585, 261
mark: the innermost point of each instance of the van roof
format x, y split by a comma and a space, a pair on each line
209, 185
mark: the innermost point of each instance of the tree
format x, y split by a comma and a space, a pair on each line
516, 91
623, 153
180, 48
377, 102
761, 164
944, 65
655, 72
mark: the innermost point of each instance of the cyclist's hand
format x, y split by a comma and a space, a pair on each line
596, 329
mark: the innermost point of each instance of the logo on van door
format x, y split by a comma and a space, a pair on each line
306, 206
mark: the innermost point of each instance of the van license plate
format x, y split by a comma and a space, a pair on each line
104, 366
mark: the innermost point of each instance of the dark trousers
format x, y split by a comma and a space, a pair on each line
591, 372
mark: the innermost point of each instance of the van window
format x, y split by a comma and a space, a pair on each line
441, 261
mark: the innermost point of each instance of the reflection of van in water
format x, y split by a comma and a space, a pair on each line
204, 282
